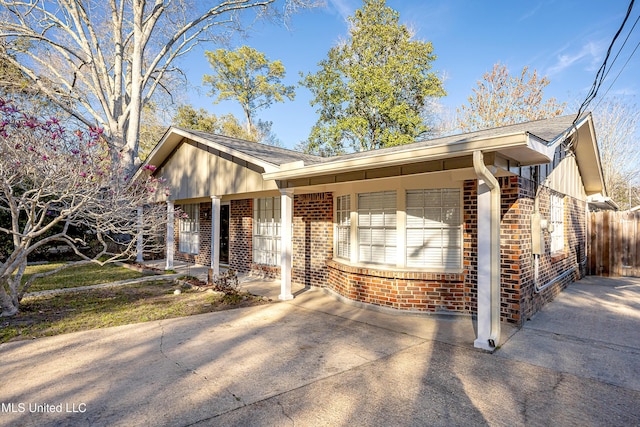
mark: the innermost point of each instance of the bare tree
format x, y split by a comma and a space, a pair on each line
102, 61
617, 130
501, 99
63, 189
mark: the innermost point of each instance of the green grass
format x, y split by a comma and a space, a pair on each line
83, 275
114, 306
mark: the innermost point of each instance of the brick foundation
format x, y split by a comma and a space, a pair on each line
403, 290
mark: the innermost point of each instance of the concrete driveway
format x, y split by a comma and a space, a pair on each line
314, 361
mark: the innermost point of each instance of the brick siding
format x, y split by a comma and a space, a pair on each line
403, 290
240, 235
418, 291
312, 238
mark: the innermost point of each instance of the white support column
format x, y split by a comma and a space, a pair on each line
215, 236
170, 241
139, 240
488, 256
286, 243
484, 266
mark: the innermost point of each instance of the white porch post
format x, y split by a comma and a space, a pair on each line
139, 240
170, 241
215, 236
286, 243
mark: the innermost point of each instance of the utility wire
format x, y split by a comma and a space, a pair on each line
622, 47
601, 71
618, 75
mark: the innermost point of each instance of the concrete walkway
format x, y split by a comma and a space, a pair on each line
315, 361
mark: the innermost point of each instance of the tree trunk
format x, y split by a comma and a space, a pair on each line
8, 304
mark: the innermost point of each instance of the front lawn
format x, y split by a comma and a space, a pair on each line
82, 275
120, 305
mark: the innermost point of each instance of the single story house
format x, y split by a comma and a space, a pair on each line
490, 223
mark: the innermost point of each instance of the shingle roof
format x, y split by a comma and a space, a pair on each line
545, 129
267, 153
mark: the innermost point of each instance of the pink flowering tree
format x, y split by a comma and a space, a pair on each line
54, 183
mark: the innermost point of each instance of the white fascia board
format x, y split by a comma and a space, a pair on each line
411, 155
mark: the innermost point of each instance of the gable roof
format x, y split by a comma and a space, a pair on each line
266, 157
267, 153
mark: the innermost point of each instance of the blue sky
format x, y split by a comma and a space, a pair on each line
565, 40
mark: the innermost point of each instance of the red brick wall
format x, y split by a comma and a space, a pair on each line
518, 299
551, 265
470, 244
312, 238
429, 292
240, 234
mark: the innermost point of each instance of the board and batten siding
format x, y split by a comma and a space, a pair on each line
194, 173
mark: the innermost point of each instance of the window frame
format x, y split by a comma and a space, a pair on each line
266, 232
371, 251
402, 259
556, 219
343, 227
443, 227
189, 229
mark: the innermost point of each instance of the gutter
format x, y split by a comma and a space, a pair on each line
488, 264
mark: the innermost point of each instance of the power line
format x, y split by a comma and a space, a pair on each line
618, 75
601, 71
622, 47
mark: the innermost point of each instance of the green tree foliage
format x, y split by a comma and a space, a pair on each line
227, 124
373, 90
502, 99
247, 76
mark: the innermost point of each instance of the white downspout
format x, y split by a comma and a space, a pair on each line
488, 256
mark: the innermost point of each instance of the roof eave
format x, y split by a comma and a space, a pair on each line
521, 147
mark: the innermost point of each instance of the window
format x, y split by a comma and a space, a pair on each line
189, 225
377, 227
343, 226
557, 221
434, 229
266, 231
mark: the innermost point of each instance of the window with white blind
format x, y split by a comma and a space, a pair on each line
557, 221
188, 229
343, 226
377, 227
433, 228
266, 231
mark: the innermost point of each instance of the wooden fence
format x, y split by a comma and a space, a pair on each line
614, 244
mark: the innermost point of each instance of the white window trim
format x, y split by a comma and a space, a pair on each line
189, 230
401, 237
388, 229
269, 252
343, 226
556, 214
